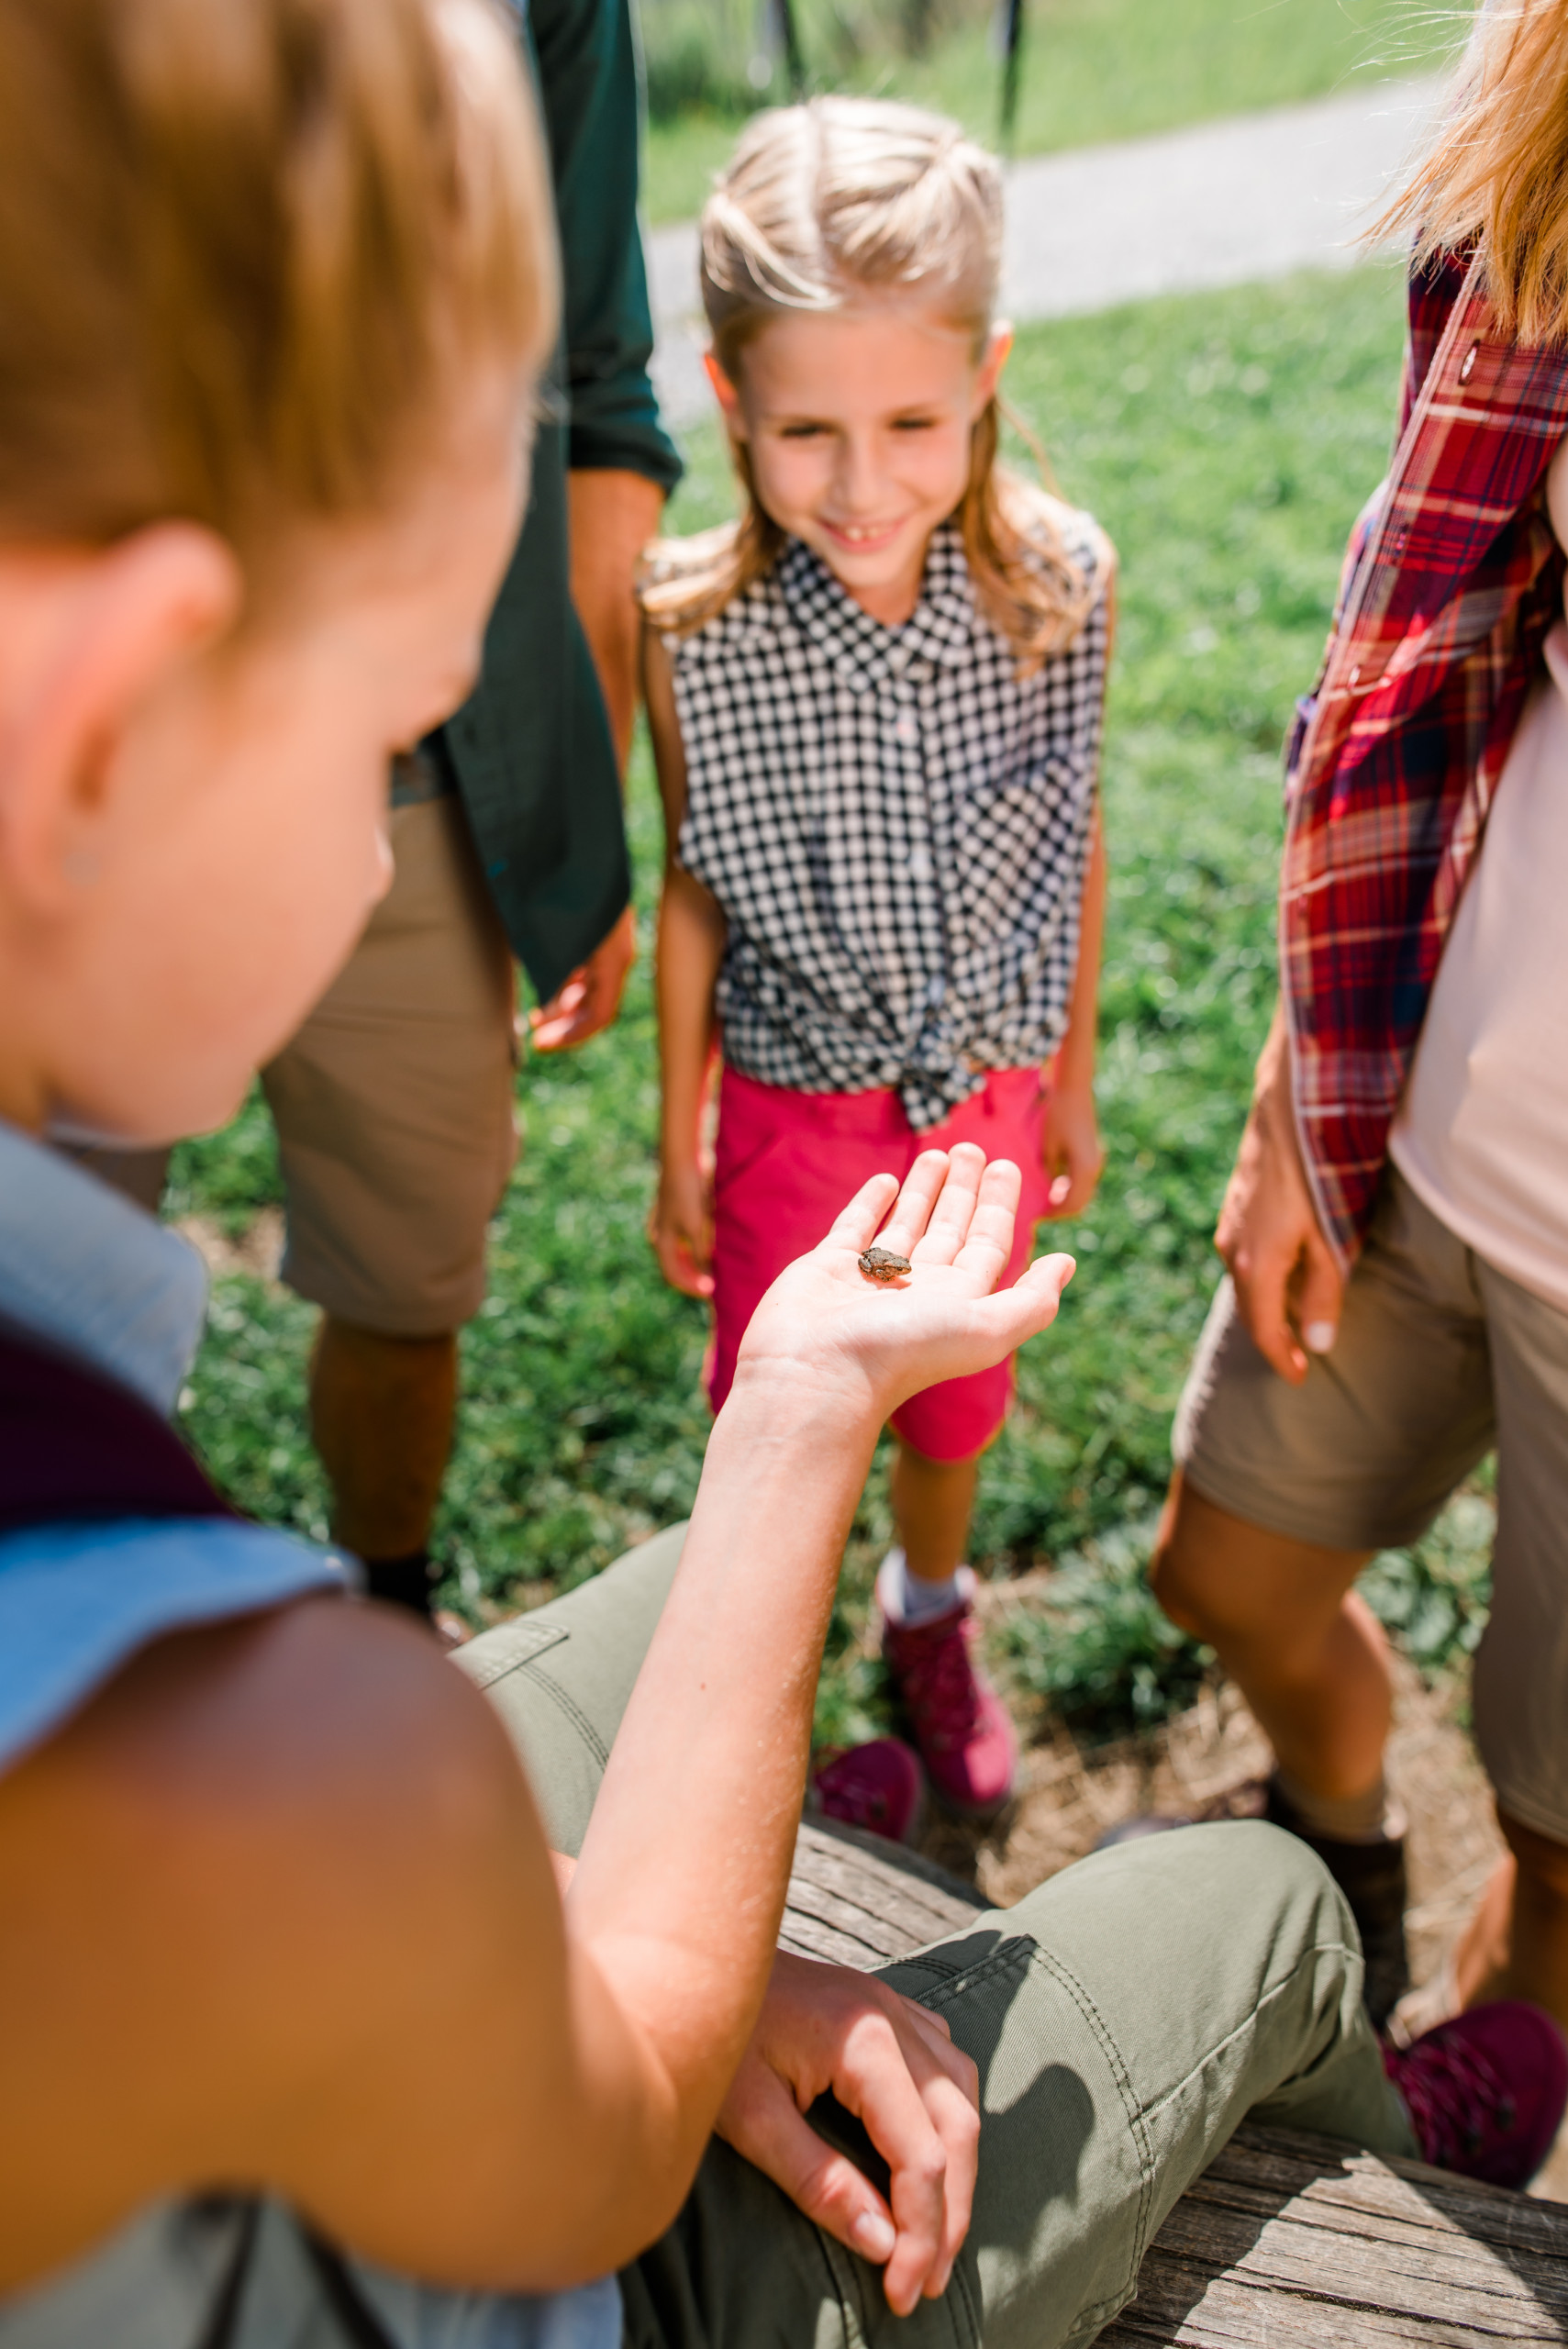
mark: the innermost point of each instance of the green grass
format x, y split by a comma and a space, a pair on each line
1091, 70
1226, 442
1097, 1647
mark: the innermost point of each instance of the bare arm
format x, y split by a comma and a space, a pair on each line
249, 1885
613, 516
1073, 1149
691, 946
1288, 1289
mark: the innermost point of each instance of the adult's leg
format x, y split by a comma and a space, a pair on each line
381, 1410
1280, 1615
394, 1110
1517, 1944
559, 1679
1124, 2019
1283, 1493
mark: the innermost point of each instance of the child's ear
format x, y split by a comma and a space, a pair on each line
727, 396
999, 342
119, 621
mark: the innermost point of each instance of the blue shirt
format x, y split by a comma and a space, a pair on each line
92, 1275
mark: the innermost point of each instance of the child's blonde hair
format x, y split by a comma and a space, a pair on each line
248, 247
821, 203
1497, 175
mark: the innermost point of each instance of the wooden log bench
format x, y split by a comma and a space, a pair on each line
1286, 2241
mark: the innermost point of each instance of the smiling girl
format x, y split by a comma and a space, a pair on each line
876, 706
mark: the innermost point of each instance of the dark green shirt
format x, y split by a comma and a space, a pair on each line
531, 751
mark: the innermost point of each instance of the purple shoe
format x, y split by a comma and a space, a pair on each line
961, 1725
1486, 2091
879, 1786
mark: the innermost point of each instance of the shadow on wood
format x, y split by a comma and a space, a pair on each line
1286, 2241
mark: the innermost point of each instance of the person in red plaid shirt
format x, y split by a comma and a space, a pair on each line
1396, 1229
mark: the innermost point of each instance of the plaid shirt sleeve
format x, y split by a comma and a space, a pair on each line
1451, 579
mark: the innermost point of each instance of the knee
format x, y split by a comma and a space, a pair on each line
1176, 1569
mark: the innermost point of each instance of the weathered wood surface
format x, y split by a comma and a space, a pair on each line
854, 1899
1286, 2241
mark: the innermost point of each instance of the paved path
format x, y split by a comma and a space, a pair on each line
1222, 204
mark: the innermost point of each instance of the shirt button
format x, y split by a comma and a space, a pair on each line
920, 865
1465, 371
905, 730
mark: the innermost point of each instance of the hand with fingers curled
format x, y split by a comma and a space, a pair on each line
825, 2029
876, 1343
1289, 1287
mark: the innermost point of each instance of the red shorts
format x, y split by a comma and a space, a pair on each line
788, 1163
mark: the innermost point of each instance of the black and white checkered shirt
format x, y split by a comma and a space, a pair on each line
896, 825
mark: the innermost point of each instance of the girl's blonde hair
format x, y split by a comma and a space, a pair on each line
1497, 176
823, 203
248, 250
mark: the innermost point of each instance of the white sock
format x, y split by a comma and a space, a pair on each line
920, 1599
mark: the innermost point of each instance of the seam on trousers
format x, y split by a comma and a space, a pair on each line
849, 2278
1006, 1956
574, 1711
1276, 1990
519, 1643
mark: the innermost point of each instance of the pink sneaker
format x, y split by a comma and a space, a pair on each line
961, 1725
1486, 2092
879, 1786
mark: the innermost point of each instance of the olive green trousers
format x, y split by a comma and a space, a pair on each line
1123, 2018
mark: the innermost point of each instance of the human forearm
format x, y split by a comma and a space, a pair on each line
613, 516
1071, 1148
682, 1918
685, 1927
1075, 1060
690, 949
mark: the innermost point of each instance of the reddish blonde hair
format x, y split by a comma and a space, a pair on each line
1497, 174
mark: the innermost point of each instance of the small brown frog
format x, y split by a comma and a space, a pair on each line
881, 1264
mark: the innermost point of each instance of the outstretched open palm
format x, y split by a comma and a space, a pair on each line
944, 1319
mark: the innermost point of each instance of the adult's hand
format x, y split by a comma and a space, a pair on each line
590, 999
878, 1343
894, 2065
1288, 1287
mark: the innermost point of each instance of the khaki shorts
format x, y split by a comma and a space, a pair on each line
1440, 1357
393, 1103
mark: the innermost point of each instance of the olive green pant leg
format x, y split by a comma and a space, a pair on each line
1123, 2018
559, 1679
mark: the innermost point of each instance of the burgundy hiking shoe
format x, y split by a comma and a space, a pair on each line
880, 1787
961, 1725
1486, 2091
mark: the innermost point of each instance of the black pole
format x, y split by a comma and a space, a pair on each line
1012, 53
789, 41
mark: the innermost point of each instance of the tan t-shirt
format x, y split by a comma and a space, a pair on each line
1482, 1133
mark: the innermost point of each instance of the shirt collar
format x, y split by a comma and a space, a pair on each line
865, 651
90, 1273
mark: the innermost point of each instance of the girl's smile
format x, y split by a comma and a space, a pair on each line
857, 425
